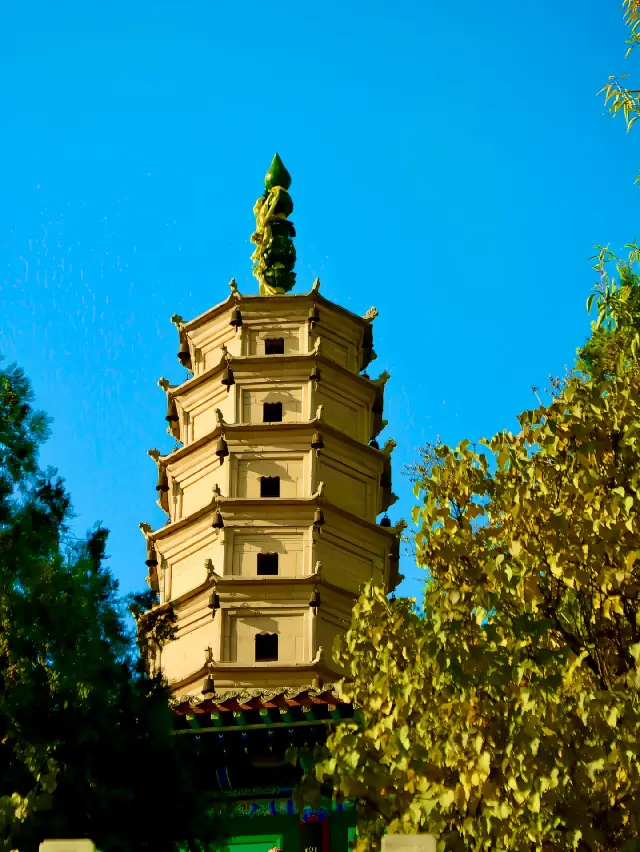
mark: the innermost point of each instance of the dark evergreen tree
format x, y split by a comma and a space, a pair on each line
85, 743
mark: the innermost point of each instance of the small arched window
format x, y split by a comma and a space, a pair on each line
272, 412
269, 486
267, 564
266, 647
274, 346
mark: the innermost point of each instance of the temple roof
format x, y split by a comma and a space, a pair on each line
259, 699
260, 709
248, 300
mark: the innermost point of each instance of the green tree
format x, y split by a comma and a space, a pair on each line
85, 744
618, 97
506, 715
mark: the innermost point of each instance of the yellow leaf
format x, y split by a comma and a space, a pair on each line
446, 799
484, 763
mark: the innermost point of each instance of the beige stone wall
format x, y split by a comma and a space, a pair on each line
198, 631
253, 400
342, 411
197, 409
184, 553
291, 547
347, 485
347, 561
240, 633
207, 342
251, 469
294, 336
336, 346
192, 482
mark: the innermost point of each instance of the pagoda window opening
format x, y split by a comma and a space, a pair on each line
266, 647
268, 564
269, 486
274, 346
272, 412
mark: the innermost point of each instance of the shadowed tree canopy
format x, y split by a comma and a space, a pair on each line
85, 748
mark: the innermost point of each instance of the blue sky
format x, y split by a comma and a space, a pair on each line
451, 165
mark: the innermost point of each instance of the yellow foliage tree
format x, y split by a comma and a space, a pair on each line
506, 714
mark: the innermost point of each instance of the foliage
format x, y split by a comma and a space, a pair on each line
85, 745
507, 715
155, 627
614, 334
619, 98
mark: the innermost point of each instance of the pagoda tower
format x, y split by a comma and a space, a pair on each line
274, 491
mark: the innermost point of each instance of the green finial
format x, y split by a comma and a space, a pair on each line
275, 255
277, 175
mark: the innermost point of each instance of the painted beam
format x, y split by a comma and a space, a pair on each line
260, 727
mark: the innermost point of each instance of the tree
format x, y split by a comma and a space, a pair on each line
619, 98
506, 715
85, 744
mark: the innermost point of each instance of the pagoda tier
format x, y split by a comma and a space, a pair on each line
349, 474
346, 338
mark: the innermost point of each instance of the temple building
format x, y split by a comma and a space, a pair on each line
276, 498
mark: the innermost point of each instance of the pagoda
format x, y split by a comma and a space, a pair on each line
276, 498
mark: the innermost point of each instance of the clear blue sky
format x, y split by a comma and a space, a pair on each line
451, 165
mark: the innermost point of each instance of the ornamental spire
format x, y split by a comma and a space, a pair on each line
275, 255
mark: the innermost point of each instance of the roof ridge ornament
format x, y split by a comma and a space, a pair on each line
164, 384
274, 257
212, 575
382, 379
371, 314
389, 447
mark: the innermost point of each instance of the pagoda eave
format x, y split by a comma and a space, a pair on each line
277, 698
247, 430
240, 362
271, 506
236, 671
285, 299
228, 586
